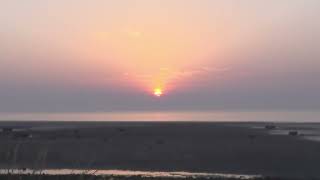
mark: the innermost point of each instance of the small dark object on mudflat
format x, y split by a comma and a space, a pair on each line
252, 136
121, 130
7, 130
159, 141
270, 127
22, 135
293, 133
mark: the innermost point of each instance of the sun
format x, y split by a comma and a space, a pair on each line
157, 92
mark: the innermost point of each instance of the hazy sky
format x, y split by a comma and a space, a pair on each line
110, 55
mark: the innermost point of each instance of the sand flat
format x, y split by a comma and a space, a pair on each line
232, 148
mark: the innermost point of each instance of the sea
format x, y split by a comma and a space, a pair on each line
196, 116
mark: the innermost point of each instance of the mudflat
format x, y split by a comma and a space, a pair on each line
233, 148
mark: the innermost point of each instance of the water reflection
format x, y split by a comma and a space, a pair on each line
217, 116
128, 173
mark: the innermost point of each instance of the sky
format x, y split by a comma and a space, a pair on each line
101, 56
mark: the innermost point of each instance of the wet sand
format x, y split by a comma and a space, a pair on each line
232, 148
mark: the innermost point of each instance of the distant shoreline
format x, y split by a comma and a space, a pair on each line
168, 116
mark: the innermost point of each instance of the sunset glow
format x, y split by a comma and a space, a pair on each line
157, 92
120, 55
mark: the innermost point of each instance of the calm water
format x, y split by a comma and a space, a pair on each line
297, 116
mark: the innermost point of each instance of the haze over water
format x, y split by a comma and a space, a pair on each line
209, 116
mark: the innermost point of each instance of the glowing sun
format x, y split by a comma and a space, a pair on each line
157, 92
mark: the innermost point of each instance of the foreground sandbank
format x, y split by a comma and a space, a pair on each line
228, 148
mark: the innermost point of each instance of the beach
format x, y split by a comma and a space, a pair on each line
247, 148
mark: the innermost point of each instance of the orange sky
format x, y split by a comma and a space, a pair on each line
136, 46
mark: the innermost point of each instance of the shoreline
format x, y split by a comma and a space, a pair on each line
124, 173
134, 177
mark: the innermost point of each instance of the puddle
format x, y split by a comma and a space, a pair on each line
128, 173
